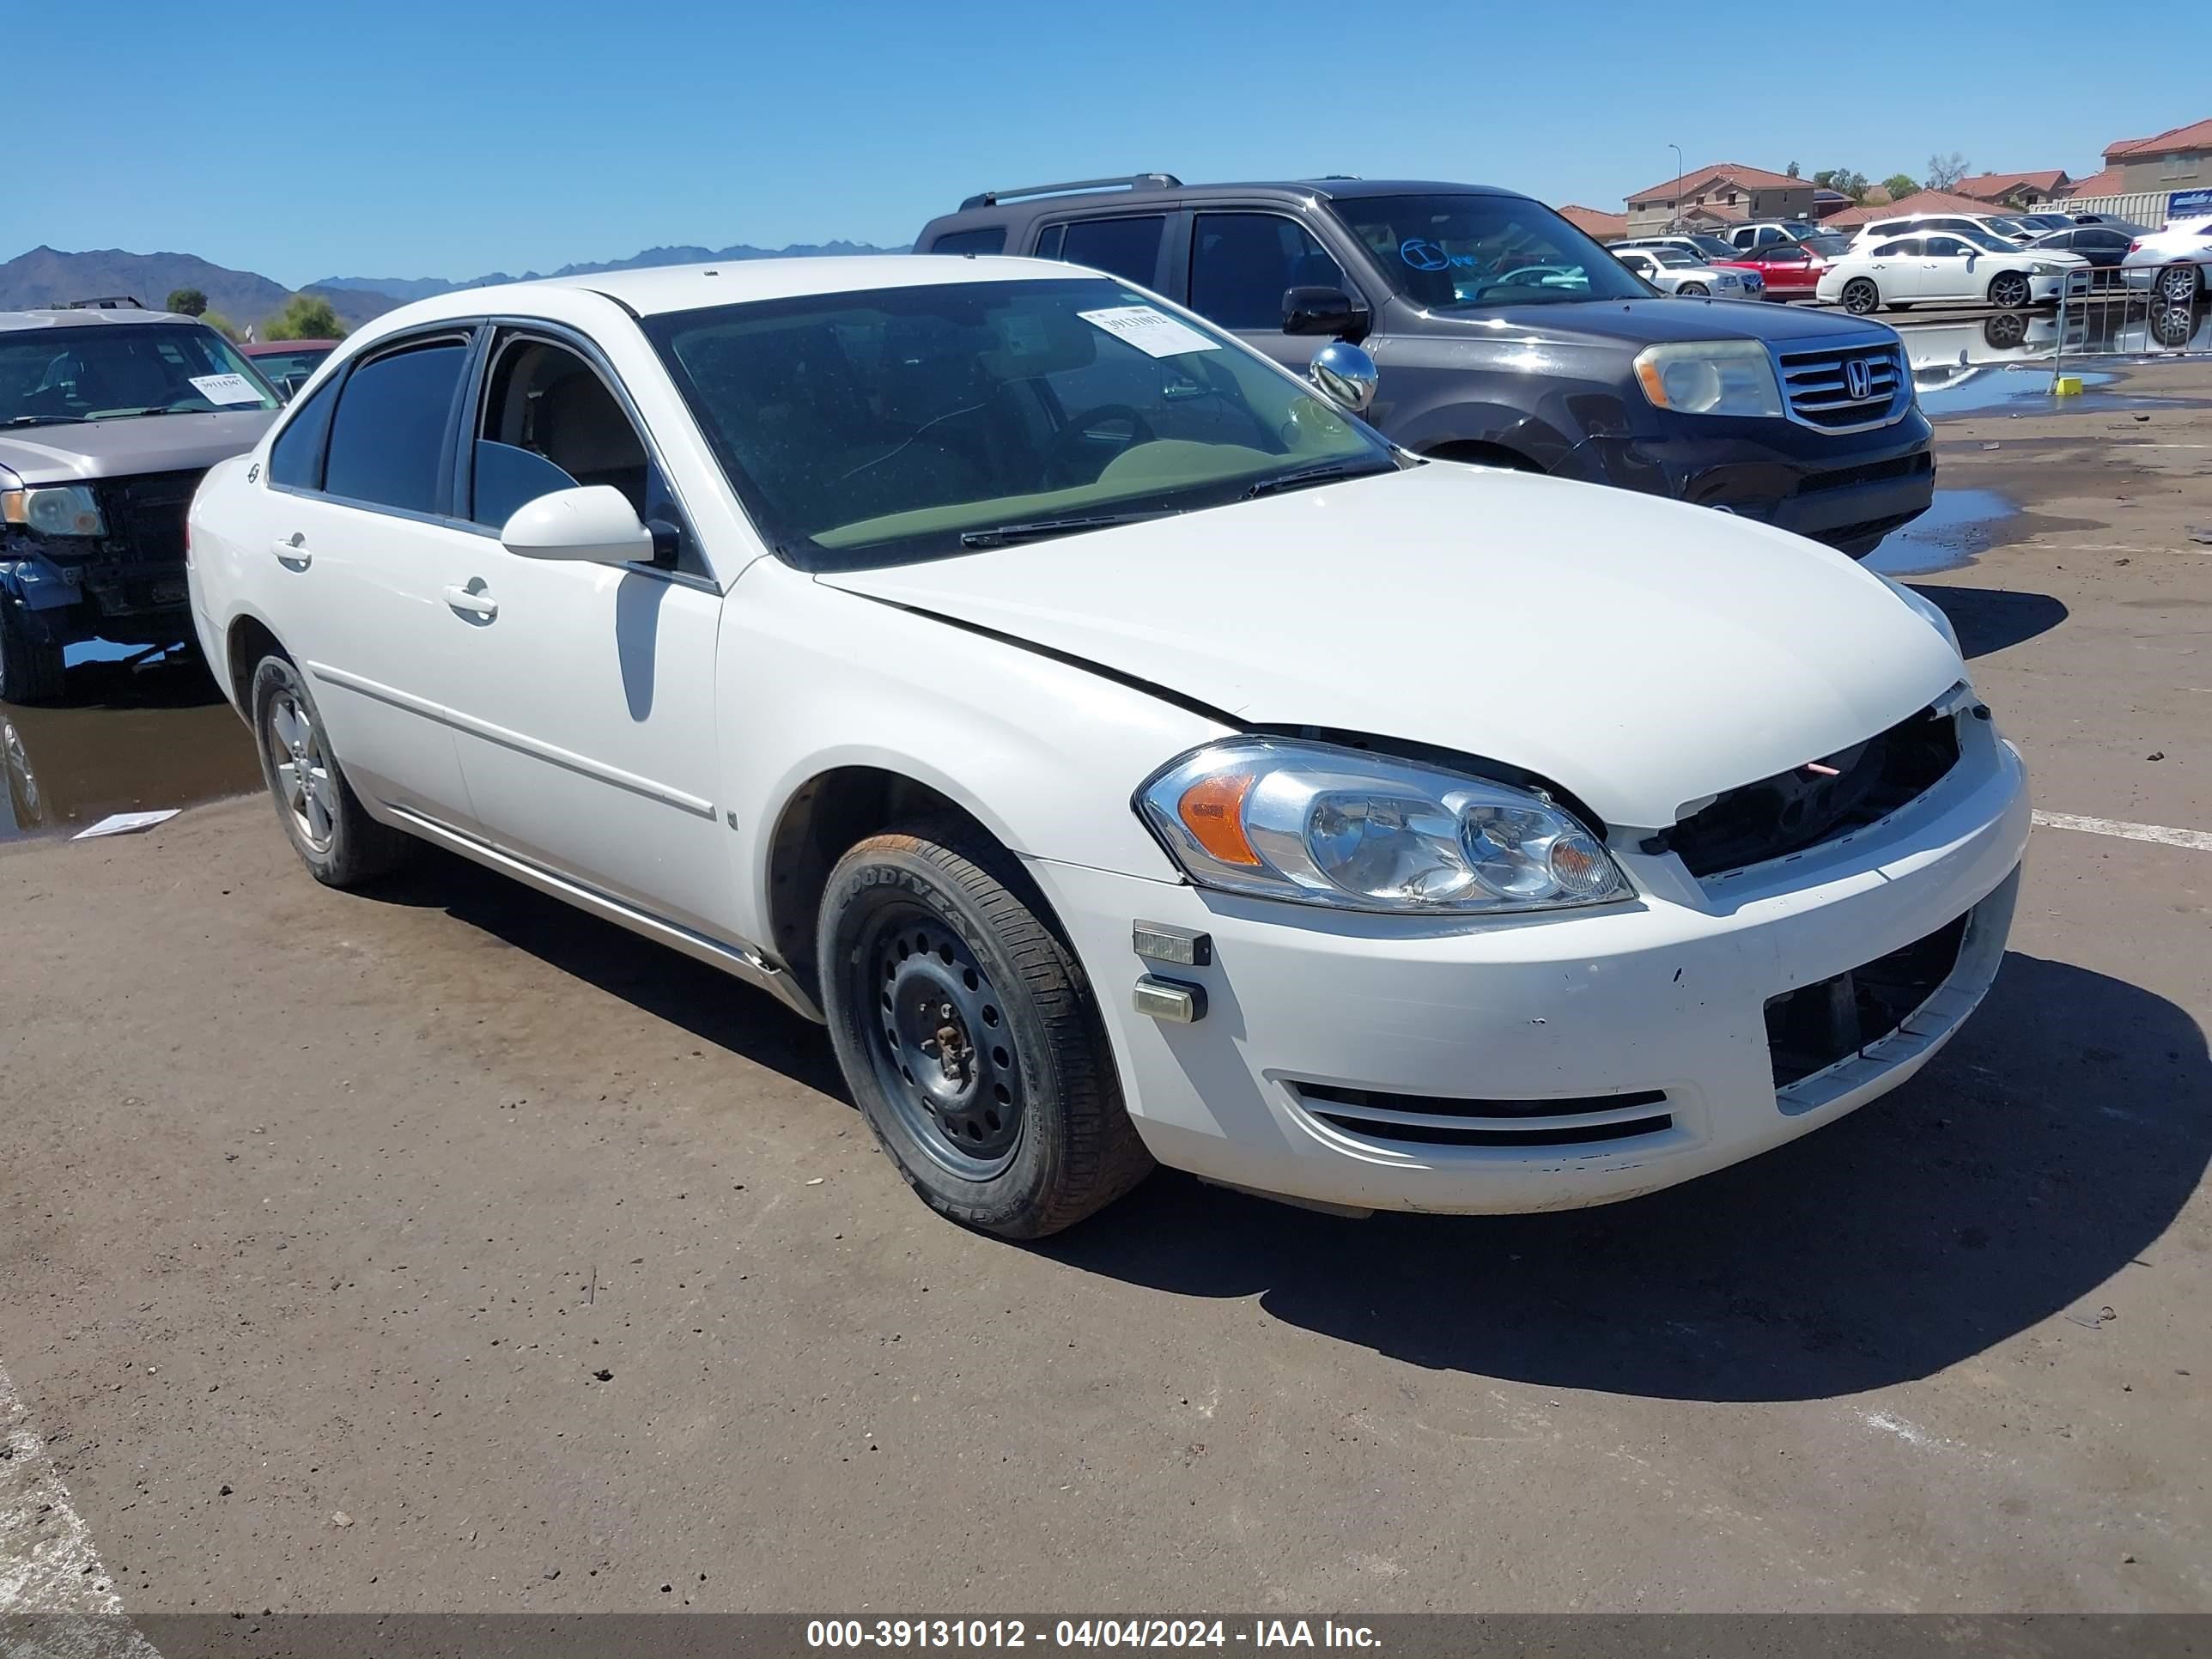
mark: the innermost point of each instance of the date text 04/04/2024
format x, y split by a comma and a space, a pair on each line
1086, 1633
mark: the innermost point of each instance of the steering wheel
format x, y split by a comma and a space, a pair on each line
1066, 445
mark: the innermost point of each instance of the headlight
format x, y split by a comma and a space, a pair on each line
62, 510
1714, 377
1320, 825
2044, 268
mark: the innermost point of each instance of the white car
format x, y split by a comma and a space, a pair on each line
2010, 232
1671, 271
1127, 753
1943, 266
2178, 257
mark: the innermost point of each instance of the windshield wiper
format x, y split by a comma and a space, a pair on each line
43, 420
1006, 535
1310, 475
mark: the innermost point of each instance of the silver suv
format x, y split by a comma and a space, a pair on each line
108, 416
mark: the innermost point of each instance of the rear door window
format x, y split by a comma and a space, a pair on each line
991, 239
1241, 263
388, 436
1128, 248
295, 460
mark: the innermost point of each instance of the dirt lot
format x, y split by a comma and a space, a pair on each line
442, 1249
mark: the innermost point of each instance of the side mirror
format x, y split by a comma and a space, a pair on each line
1323, 311
595, 523
1345, 374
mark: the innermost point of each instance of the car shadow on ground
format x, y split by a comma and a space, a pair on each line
1989, 619
702, 1000
2016, 1179
2044, 1151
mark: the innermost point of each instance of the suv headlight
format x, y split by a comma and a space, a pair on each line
1709, 377
60, 510
1321, 825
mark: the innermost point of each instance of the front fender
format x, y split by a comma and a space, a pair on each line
1044, 753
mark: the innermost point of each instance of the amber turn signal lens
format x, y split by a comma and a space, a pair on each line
1212, 810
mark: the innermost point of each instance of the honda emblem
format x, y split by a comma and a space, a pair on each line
1858, 379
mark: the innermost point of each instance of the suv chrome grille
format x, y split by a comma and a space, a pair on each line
1843, 388
146, 516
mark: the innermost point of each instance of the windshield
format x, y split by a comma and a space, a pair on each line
1827, 244
1982, 238
98, 371
1461, 253
2006, 227
296, 364
1714, 248
1673, 256
902, 423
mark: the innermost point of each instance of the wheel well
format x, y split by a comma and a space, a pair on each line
820, 824
1482, 454
249, 642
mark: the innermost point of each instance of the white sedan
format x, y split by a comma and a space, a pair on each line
1125, 751
2178, 258
1671, 271
1944, 266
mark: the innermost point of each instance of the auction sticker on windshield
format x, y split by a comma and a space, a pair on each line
226, 388
1152, 332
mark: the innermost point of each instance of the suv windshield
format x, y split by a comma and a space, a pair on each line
912, 422
1461, 253
1714, 248
99, 372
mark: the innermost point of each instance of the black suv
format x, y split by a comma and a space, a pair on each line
1506, 336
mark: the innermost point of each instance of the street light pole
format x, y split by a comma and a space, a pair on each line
1675, 223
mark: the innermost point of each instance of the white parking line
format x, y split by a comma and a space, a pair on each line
48, 1566
2197, 839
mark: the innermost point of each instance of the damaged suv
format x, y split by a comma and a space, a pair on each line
109, 418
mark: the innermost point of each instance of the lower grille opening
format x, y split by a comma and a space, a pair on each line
1898, 466
1817, 802
1450, 1121
1811, 1028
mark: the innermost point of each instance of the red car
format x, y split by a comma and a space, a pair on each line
1792, 271
288, 363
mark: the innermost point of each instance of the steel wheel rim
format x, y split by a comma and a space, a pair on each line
938, 1036
306, 787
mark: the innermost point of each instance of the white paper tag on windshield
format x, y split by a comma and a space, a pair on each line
1152, 332
226, 388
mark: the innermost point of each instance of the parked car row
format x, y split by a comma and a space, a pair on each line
1037, 671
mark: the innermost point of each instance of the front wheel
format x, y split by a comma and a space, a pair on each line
967, 1033
333, 834
2008, 290
1692, 291
30, 670
2177, 285
1861, 297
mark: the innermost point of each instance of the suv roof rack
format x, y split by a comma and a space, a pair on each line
1133, 181
108, 302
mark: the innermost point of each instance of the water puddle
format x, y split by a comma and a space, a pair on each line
1954, 531
125, 739
1972, 389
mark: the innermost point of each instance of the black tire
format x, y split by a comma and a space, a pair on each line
2008, 290
2178, 284
1692, 291
1861, 297
936, 917
30, 670
355, 848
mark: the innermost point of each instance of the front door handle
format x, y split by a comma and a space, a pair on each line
473, 601
292, 551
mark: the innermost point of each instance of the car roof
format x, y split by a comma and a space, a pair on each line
663, 288
278, 347
62, 317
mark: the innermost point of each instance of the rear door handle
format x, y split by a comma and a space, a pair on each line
292, 551
472, 602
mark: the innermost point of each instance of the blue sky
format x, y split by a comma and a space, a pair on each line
404, 137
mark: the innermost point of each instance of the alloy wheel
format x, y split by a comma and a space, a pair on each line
2177, 285
2008, 291
305, 783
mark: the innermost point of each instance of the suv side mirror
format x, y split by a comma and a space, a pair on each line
593, 523
1323, 311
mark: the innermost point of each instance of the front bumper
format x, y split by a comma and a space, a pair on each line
1666, 995
1848, 490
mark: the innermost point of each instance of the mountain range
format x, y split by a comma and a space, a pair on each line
48, 277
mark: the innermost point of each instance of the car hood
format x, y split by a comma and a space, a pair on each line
91, 450
1640, 323
1641, 654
